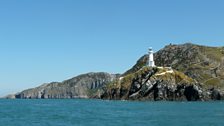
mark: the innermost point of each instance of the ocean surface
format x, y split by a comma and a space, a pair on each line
83, 112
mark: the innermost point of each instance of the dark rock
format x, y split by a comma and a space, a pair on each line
215, 94
156, 85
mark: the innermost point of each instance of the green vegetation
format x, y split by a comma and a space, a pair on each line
214, 53
92, 92
181, 77
126, 81
176, 76
113, 84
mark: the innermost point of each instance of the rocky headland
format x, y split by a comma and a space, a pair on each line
77, 87
185, 72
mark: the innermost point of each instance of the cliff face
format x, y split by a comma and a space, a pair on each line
185, 72
202, 63
158, 83
77, 87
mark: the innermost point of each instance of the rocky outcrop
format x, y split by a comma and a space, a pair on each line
154, 84
158, 84
186, 72
78, 87
201, 63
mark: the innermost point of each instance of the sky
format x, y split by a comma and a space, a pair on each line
52, 40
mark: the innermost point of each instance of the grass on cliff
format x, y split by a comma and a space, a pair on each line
176, 76
125, 81
215, 53
181, 77
212, 82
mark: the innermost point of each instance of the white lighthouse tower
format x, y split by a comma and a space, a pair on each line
151, 60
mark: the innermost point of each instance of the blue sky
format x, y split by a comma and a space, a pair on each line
53, 40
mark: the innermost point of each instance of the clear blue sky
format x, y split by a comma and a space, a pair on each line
53, 40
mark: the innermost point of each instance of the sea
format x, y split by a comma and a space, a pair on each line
85, 112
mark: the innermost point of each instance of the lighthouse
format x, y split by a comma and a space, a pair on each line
151, 60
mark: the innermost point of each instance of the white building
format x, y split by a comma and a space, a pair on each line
151, 60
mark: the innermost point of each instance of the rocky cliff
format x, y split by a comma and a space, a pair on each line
203, 64
184, 72
158, 83
78, 87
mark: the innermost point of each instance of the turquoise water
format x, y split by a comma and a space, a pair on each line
110, 113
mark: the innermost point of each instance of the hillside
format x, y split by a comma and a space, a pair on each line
154, 83
202, 63
198, 74
78, 87
184, 72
